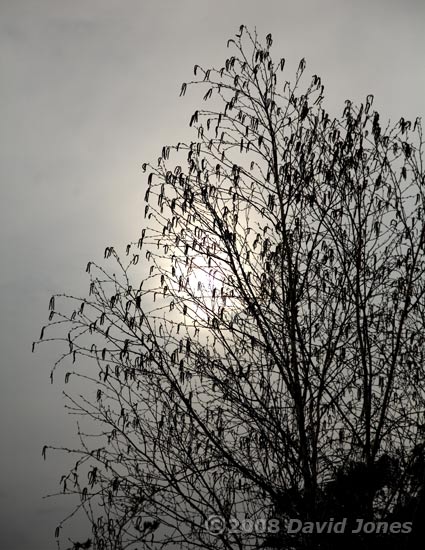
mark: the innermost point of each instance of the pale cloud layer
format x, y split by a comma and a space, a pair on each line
89, 91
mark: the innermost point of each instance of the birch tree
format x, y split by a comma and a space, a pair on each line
257, 353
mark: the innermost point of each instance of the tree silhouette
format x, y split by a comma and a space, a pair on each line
258, 353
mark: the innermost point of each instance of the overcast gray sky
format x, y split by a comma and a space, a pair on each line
89, 90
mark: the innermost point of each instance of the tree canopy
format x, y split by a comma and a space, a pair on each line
257, 354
